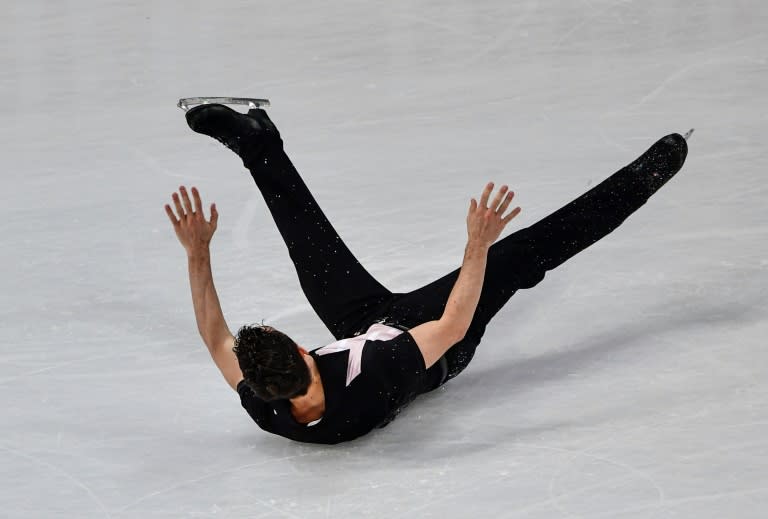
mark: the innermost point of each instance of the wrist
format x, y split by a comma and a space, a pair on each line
474, 244
199, 253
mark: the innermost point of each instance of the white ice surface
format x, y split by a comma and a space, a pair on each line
632, 382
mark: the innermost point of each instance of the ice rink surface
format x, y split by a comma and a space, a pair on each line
631, 383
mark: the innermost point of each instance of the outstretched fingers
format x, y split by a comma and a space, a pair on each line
199, 207
171, 215
214, 216
179, 209
515, 212
485, 195
188, 207
498, 198
192, 229
186, 200
198, 201
506, 202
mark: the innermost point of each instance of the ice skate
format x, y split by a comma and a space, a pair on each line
245, 134
662, 161
252, 102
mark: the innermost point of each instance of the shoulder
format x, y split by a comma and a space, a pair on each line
242, 388
399, 355
258, 409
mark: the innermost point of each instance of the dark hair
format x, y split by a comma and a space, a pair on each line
271, 363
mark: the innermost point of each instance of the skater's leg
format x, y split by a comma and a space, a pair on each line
339, 288
521, 259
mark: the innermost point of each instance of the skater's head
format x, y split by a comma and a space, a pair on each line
272, 364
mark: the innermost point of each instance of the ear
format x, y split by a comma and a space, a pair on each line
303, 351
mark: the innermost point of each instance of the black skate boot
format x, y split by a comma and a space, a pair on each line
660, 163
244, 134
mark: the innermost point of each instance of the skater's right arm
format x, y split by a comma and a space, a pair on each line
195, 233
484, 225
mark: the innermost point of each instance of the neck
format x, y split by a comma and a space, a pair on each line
314, 398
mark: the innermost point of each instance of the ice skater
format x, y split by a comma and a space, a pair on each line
390, 347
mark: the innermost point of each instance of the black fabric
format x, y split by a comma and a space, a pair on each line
436, 375
392, 375
348, 299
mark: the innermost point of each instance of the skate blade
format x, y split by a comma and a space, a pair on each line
688, 134
186, 102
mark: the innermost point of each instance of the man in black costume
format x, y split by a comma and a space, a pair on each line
390, 347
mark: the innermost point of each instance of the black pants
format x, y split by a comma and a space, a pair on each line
348, 299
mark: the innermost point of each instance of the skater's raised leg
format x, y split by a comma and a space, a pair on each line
521, 259
341, 291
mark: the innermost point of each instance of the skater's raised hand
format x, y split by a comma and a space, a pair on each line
192, 229
486, 221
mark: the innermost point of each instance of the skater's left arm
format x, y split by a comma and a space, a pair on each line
195, 234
